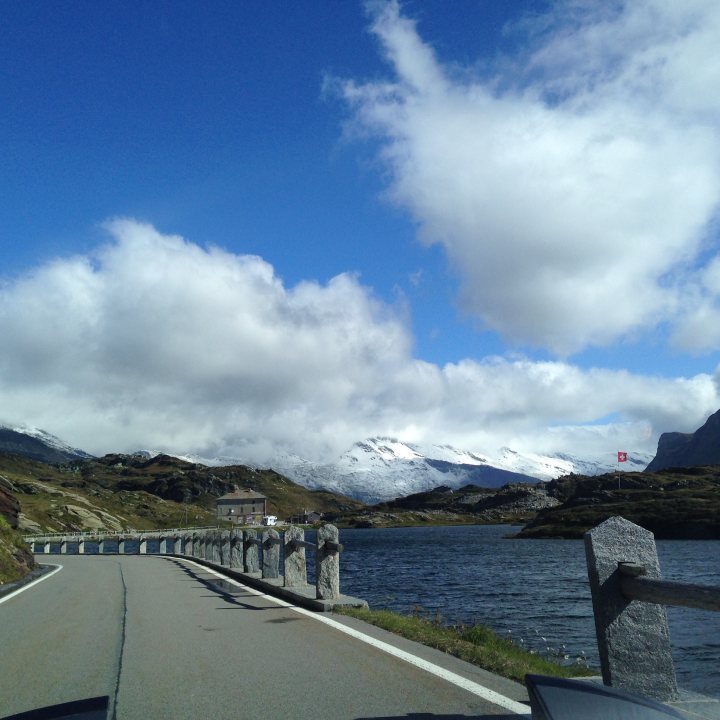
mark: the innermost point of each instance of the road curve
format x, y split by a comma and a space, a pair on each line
165, 639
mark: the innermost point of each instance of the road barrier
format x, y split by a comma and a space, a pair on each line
628, 599
256, 560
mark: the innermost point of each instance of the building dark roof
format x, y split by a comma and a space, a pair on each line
244, 494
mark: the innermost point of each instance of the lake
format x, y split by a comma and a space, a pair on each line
535, 591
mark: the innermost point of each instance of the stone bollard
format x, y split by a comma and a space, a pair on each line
143, 546
121, 546
163, 549
81, 547
63, 547
327, 565
251, 551
271, 553
208, 542
295, 567
633, 638
225, 548
236, 551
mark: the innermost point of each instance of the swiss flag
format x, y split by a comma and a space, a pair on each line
622, 456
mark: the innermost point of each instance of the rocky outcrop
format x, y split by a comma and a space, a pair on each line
689, 449
16, 560
516, 499
672, 503
9, 508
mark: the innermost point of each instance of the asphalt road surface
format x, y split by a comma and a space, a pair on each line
165, 639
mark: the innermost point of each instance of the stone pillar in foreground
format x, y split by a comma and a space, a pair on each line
633, 638
295, 567
236, 551
225, 540
327, 567
271, 553
251, 551
217, 548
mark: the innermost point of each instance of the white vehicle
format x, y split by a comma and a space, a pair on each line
270, 520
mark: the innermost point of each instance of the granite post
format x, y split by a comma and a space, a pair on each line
250, 551
217, 548
225, 548
295, 567
327, 565
236, 551
271, 553
633, 638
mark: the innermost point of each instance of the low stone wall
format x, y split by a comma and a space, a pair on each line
250, 556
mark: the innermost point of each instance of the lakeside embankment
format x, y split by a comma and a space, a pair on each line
476, 644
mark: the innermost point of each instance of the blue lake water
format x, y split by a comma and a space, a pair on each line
535, 591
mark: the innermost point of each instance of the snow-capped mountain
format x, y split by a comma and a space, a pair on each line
380, 469
38, 445
372, 470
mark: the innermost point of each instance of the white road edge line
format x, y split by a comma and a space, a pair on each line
58, 568
475, 688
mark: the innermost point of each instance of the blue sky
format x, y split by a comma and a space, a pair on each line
507, 209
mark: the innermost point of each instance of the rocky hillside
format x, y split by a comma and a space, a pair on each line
15, 558
514, 503
681, 503
689, 449
117, 492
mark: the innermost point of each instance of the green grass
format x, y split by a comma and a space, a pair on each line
476, 644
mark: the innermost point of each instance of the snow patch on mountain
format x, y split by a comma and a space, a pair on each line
384, 468
48, 440
381, 468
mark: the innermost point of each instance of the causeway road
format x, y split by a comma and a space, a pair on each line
167, 639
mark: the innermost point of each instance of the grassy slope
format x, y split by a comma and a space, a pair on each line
477, 645
15, 558
118, 492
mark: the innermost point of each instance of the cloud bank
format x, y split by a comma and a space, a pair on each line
575, 188
155, 342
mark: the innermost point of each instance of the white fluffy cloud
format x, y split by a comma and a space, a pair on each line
155, 342
575, 189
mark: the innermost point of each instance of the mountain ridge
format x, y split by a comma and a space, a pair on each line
701, 447
382, 468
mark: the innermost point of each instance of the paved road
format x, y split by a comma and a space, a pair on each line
166, 640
